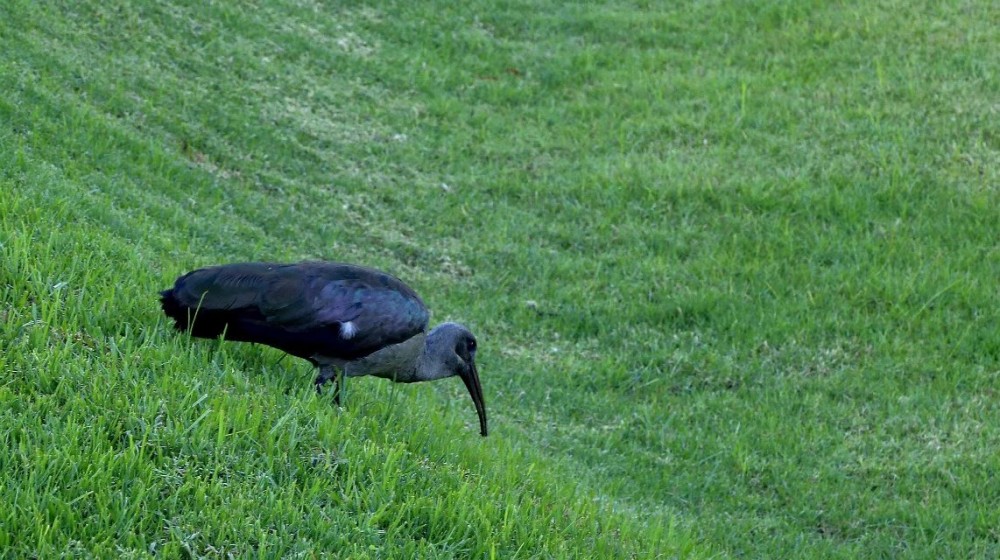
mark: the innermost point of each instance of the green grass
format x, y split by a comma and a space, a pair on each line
733, 267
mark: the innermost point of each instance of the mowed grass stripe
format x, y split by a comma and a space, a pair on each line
734, 269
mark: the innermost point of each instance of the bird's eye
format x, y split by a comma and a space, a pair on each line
465, 347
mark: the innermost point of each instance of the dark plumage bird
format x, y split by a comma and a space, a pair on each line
344, 319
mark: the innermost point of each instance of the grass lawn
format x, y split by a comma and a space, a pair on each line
733, 267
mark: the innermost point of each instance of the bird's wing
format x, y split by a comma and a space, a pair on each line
310, 296
379, 308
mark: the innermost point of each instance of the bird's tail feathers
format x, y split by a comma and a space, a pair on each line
202, 323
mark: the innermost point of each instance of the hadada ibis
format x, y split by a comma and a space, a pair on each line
347, 320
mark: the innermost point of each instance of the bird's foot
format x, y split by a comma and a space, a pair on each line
326, 374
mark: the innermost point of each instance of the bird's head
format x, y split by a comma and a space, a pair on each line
451, 351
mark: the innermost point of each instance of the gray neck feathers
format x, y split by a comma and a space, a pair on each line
399, 362
424, 357
433, 361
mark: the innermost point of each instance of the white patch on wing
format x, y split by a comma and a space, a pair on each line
348, 330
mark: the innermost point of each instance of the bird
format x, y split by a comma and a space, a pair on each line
345, 319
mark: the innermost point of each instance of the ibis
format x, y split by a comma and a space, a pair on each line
346, 320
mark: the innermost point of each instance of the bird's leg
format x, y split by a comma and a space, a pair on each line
339, 381
327, 373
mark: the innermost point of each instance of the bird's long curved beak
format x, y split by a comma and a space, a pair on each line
471, 380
